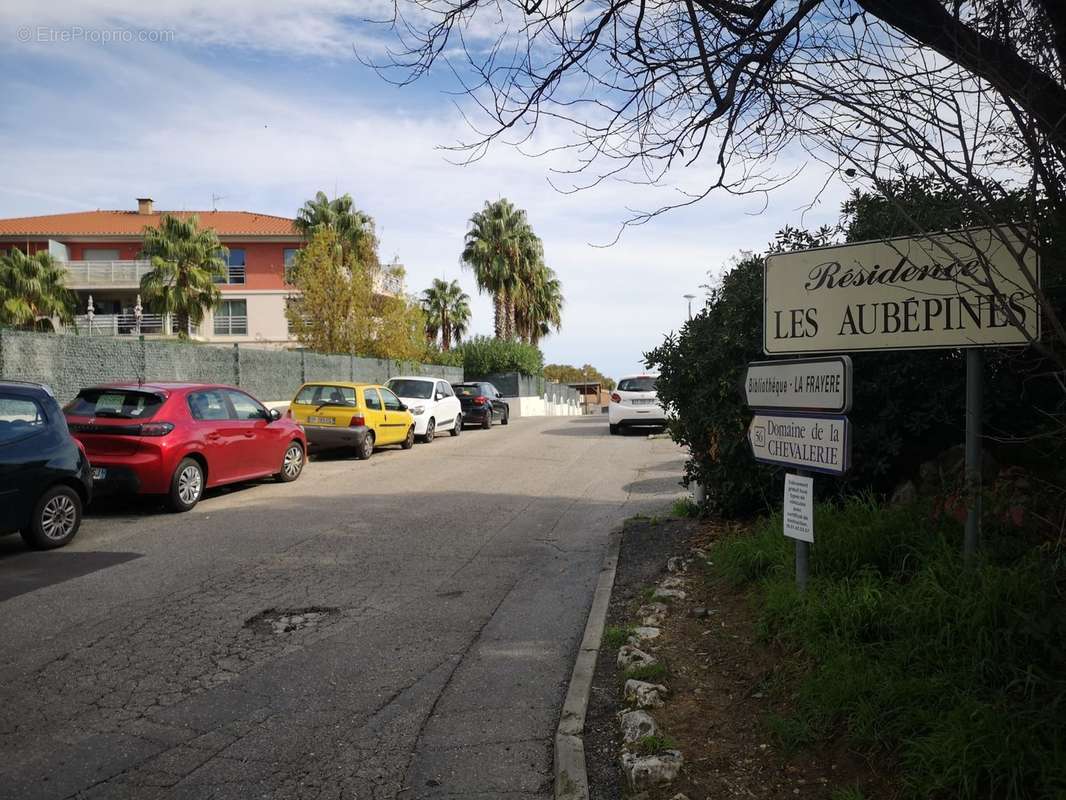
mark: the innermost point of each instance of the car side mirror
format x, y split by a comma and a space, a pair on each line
273, 415
439, 396
403, 407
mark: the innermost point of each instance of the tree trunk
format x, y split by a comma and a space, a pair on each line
501, 315
445, 332
183, 325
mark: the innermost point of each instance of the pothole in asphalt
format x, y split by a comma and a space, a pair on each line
278, 621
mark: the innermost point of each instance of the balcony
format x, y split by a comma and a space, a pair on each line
231, 326
234, 276
126, 325
106, 274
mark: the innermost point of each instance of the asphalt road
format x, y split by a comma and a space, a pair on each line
403, 627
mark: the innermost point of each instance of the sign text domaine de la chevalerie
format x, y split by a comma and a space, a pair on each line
899, 294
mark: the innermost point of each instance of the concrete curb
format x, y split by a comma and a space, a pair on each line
571, 777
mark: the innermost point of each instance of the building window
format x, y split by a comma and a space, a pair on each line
231, 318
97, 254
289, 255
234, 267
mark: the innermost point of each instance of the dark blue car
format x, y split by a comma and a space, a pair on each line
45, 479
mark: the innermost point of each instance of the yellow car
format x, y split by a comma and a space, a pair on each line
358, 415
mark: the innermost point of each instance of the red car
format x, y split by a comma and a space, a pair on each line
177, 439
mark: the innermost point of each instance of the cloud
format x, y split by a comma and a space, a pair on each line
102, 125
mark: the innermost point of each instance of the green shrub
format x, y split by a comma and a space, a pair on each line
484, 355
654, 745
614, 636
685, 507
646, 672
960, 672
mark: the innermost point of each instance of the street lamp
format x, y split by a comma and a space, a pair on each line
690, 298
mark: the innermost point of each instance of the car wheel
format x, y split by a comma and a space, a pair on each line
457, 428
409, 442
431, 430
366, 447
187, 485
487, 422
615, 429
292, 464
506, 418
56, 519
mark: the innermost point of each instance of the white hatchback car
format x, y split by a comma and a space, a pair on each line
635, 402
431, 402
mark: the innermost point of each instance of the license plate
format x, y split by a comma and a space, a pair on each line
99, 473
320, 420
641, 402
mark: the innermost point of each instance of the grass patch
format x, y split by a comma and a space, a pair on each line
961, 673
654, 745
685, 507
616, 635
847, 793
646, 672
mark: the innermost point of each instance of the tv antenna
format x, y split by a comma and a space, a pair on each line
214, 200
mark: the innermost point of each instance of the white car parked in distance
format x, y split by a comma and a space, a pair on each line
431, 402
635, 402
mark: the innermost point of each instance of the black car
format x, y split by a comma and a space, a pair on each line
481, 403
45, 479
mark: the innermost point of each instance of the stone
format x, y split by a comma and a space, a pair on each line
647, 772
636, 725
680, 796
905, 494
668, 594
643, 694
671, 582
630, 656
643, 634
648, 609
702, 613
654, 621
699, 552
676, 564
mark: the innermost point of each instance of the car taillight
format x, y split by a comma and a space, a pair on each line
615, 397
358, 421
155, 428
480, 401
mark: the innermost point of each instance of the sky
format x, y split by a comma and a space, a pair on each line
261, 103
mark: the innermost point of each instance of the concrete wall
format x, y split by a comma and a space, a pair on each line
533, 395
69, 363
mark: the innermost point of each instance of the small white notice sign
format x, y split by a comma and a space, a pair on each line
799, 507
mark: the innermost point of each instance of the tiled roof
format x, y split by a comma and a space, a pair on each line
132, 223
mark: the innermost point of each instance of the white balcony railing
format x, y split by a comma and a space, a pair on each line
234, 275
106, 274
231, 326
126, 325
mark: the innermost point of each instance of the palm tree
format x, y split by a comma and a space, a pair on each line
33, 290
354, 228
498, 236
539, 304
186, 260
447, 309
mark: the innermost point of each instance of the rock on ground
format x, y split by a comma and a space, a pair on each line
636, 725
643, 694
647, 772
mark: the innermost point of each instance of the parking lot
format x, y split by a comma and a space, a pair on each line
399, 627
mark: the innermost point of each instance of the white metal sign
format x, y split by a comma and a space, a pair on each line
900, 294
801, 384
818, 444
798, 508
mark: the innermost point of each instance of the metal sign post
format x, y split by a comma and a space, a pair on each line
974, 390
800, 406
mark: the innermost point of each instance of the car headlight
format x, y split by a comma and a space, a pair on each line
417, 410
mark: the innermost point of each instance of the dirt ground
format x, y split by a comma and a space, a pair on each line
723, 683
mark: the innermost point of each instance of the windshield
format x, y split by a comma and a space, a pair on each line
645, 383
114, 404
316, 394
416, 390
467, 389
